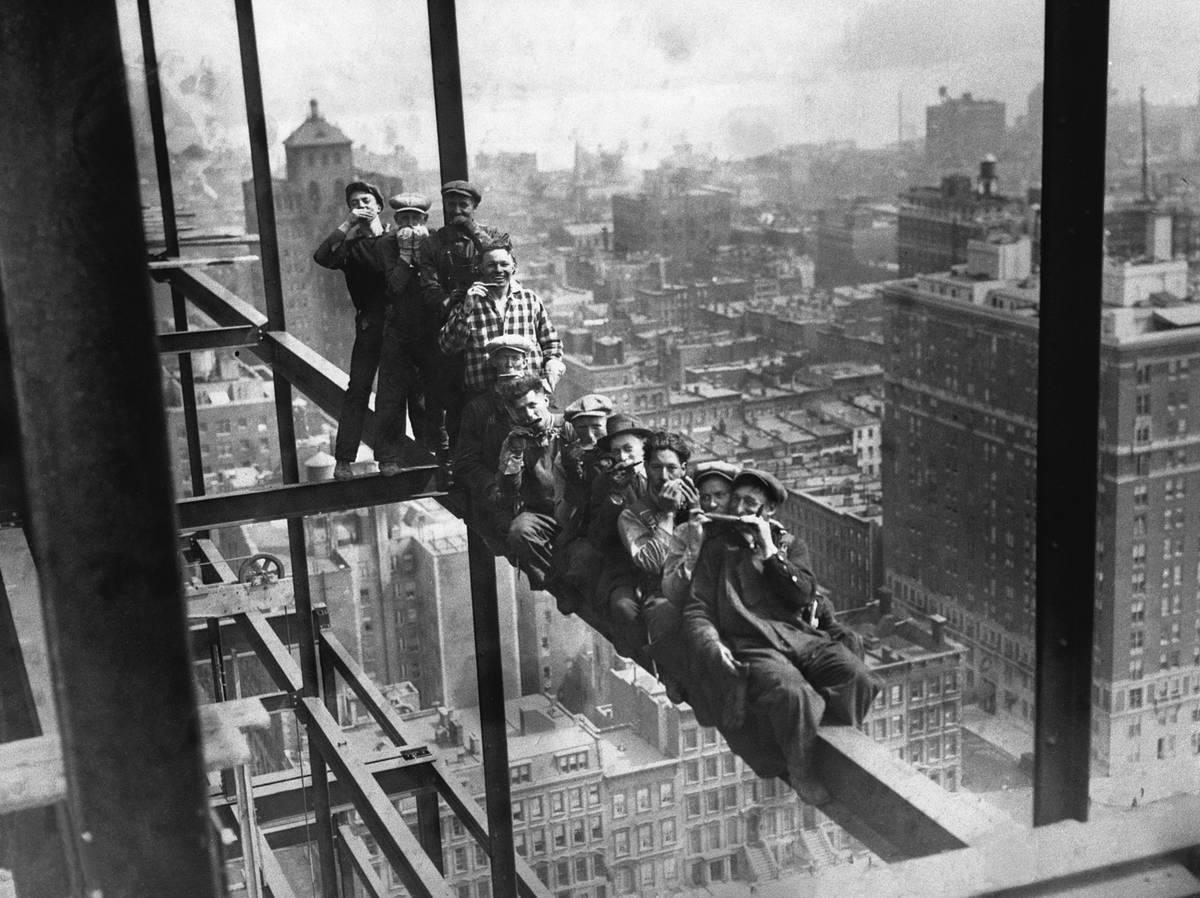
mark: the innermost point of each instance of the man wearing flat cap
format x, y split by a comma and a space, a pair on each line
448, 262
352, 248
485, 424
775, 662
408, 334
498, 304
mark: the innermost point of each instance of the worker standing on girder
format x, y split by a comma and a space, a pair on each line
352, 248
409, 334
448, 262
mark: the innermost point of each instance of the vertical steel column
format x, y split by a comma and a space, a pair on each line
447, 89
264, 197
166, 194
1068, 402
86, 371
452, 156
492, 722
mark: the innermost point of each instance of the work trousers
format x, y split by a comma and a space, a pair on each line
364, 361
531, 544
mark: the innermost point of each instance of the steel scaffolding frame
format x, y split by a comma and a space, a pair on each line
67, 295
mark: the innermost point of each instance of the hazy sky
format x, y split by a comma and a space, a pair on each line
739, 78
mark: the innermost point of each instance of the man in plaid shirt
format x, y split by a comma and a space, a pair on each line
497, 305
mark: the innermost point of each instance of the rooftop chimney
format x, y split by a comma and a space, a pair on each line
937, 630
312, 106
987, 176
884, 595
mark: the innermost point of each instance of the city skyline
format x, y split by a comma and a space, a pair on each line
649, 78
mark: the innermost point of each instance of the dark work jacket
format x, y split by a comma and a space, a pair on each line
411, 320
732, 601
446, 262
361, 261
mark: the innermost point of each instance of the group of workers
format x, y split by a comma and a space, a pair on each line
686, 567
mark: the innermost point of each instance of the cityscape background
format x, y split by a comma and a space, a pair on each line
822, 262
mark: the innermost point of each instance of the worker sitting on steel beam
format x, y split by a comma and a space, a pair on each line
775, 661
485, 423
352, 249
528, 477
635, 603
582, 462
596, 560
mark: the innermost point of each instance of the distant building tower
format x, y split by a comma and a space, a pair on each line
935, 224
959, 132
309, 203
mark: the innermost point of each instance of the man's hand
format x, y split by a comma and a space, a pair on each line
677, 494
361, 223
726, 659
475, 292
555, 369
758, 534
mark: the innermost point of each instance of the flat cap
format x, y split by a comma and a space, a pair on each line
464, 187
619, 424
722, 469
768, 483
364, 187
593, 405
511, 342
410, 202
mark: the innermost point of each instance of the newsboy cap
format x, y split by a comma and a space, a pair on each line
722, 469
593, 405
410, 202
511, 342
464, 187
620, 424
770, 484
363, 187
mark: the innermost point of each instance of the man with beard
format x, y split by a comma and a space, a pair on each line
448, 264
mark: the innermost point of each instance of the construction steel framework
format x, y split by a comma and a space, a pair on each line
84, 363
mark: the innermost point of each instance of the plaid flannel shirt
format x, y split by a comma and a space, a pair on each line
524, 315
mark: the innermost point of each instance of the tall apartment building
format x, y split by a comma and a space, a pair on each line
961, 130
959, 453
960, 481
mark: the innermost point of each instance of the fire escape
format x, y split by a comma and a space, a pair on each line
103, 786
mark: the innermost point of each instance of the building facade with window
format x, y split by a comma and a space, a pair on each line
960, 492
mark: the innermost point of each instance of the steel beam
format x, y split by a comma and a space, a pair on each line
166, 195
397, 842
447, 89
271, 651
81, 331
335, 658
492, 722
185, 341
318, 497
357, 859
1076, 100
212, 562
